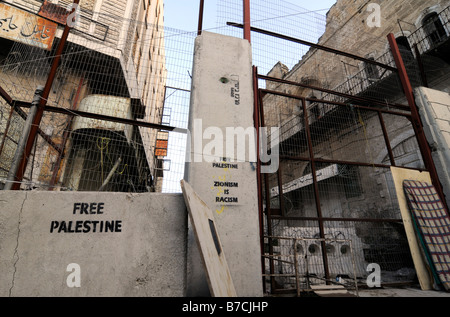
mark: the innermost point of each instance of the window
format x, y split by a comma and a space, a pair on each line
434, 29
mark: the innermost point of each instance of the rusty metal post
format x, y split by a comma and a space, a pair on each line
415, 118
43, 102
23, 139
200, 17
256, 119
247, 20
316, 190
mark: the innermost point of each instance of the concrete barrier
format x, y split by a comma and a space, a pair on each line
92, 244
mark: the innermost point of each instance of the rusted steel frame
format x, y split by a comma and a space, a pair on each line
282, 94
200, 17
316, 189
6, 96
16, 106
280, 188
361, 164
65, 137
332, 92
317, 46
386, 138
415, 119
258, 162
373, 220
43, 102
91, 115
267, 192
247, 26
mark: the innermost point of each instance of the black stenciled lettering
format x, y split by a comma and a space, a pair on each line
109, 225
78, 226
86, 226
84, 208
53, 225
76, 206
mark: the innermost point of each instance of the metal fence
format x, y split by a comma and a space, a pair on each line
337, 146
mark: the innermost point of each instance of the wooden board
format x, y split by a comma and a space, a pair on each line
423, 271
217, 272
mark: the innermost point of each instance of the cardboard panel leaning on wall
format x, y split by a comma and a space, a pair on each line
92, 244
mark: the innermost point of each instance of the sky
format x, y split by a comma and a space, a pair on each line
183, 14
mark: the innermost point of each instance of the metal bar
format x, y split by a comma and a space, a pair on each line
325, 219
386, 138
258, 162
282, 94
332, 92
200, 17
21, 113
320, 47
415, 119
297, 277
5, 96
280, 189
316, 189
267, 192
321, 160
247, 25
43, 102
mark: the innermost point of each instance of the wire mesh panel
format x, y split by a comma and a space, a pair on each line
119, 83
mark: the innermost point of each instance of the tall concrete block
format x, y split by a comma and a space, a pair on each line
221, 165
92, 244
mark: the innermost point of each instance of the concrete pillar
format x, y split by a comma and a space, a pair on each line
221, 162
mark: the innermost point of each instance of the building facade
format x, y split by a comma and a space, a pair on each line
355, 186
113, 65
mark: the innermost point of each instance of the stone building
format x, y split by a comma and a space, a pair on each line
348, 135
113, 65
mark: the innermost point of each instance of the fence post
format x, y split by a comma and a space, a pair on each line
43, 102
200, 17
415, 118
247, 25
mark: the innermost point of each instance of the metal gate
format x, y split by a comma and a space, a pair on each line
334, 182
